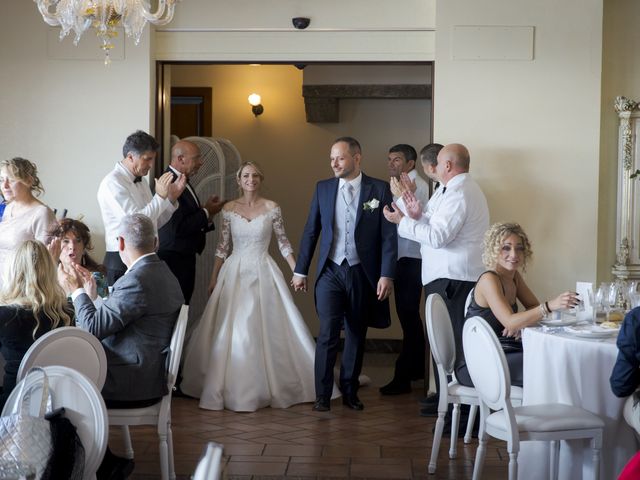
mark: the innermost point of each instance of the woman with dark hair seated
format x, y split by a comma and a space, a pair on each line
494, 298
74, 243
32, 303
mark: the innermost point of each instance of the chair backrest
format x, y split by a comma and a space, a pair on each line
440, 332
71, 347
486, 363
177, 342
467, 302
209, 465
83, 405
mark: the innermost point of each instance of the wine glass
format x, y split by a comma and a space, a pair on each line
612, 298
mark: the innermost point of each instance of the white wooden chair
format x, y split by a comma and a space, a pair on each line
209, 465
70, 347
160, 413
547, 422
83, 405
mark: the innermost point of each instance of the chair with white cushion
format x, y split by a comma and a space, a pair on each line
160, 413
209, 465
83, 406
546, 422
70, 347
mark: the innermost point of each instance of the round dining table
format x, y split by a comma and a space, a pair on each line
560, 367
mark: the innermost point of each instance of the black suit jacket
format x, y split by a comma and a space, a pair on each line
186, 231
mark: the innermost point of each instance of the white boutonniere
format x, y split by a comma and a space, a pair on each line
371, 205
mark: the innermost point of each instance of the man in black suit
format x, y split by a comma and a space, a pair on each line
356, 266
184, 234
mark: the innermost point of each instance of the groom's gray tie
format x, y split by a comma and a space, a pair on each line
347, 193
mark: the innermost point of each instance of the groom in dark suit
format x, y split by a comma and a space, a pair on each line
356, 265
184, 235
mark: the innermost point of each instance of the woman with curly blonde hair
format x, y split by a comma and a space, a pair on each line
506, 251
31, 304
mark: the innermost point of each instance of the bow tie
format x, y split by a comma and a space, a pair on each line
137, 179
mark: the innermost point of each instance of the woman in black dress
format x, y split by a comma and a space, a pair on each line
31, 303
495, 296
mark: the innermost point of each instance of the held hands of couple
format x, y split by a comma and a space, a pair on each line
299, 283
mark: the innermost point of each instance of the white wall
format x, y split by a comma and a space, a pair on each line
63, 109
532, 127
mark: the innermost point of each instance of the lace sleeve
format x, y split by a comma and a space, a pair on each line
278, 227
224, 238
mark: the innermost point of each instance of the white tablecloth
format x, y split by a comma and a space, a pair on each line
575, 371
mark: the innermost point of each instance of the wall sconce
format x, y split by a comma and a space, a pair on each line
256, 106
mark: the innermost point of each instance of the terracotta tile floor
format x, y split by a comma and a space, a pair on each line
388, 440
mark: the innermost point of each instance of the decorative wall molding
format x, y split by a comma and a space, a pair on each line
628, 204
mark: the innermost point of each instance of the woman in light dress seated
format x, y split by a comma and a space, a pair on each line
25, 217
251, 349
494, 298
31, 305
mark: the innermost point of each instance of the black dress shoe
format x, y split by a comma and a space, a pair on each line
429, 400
321, 405
396, 388
353, 402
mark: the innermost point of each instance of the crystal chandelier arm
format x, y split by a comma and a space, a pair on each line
160, 17
50, 19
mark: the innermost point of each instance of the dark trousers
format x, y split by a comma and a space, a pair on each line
115, 267
183, 266
408, 292
344, 297
454, 293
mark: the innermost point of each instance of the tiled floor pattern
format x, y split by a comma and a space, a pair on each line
388, 440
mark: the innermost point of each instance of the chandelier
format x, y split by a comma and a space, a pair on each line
105, 16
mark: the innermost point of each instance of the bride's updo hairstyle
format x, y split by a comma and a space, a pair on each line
497, 234
242, 167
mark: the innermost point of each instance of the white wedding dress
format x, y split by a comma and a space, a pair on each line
251, 349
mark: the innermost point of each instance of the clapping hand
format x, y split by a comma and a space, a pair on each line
407, 183
413, 205
176, 188
54, 247
214, 205
393, 214
88, 281
397, 188
68, 278
163, 183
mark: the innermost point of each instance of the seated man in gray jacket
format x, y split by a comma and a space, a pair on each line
135, 322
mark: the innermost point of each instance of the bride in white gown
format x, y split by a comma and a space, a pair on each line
251, 349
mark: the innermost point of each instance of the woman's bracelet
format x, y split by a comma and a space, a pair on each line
546, 304
544, 310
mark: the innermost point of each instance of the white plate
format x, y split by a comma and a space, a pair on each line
560, 322
592, 331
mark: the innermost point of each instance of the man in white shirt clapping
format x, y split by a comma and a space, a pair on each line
408, 289
450, 231
124, 191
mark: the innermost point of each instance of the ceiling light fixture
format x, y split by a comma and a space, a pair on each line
105, 16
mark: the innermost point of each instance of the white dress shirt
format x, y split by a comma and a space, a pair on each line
118, 196
409, 248
450, 231
343, 245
